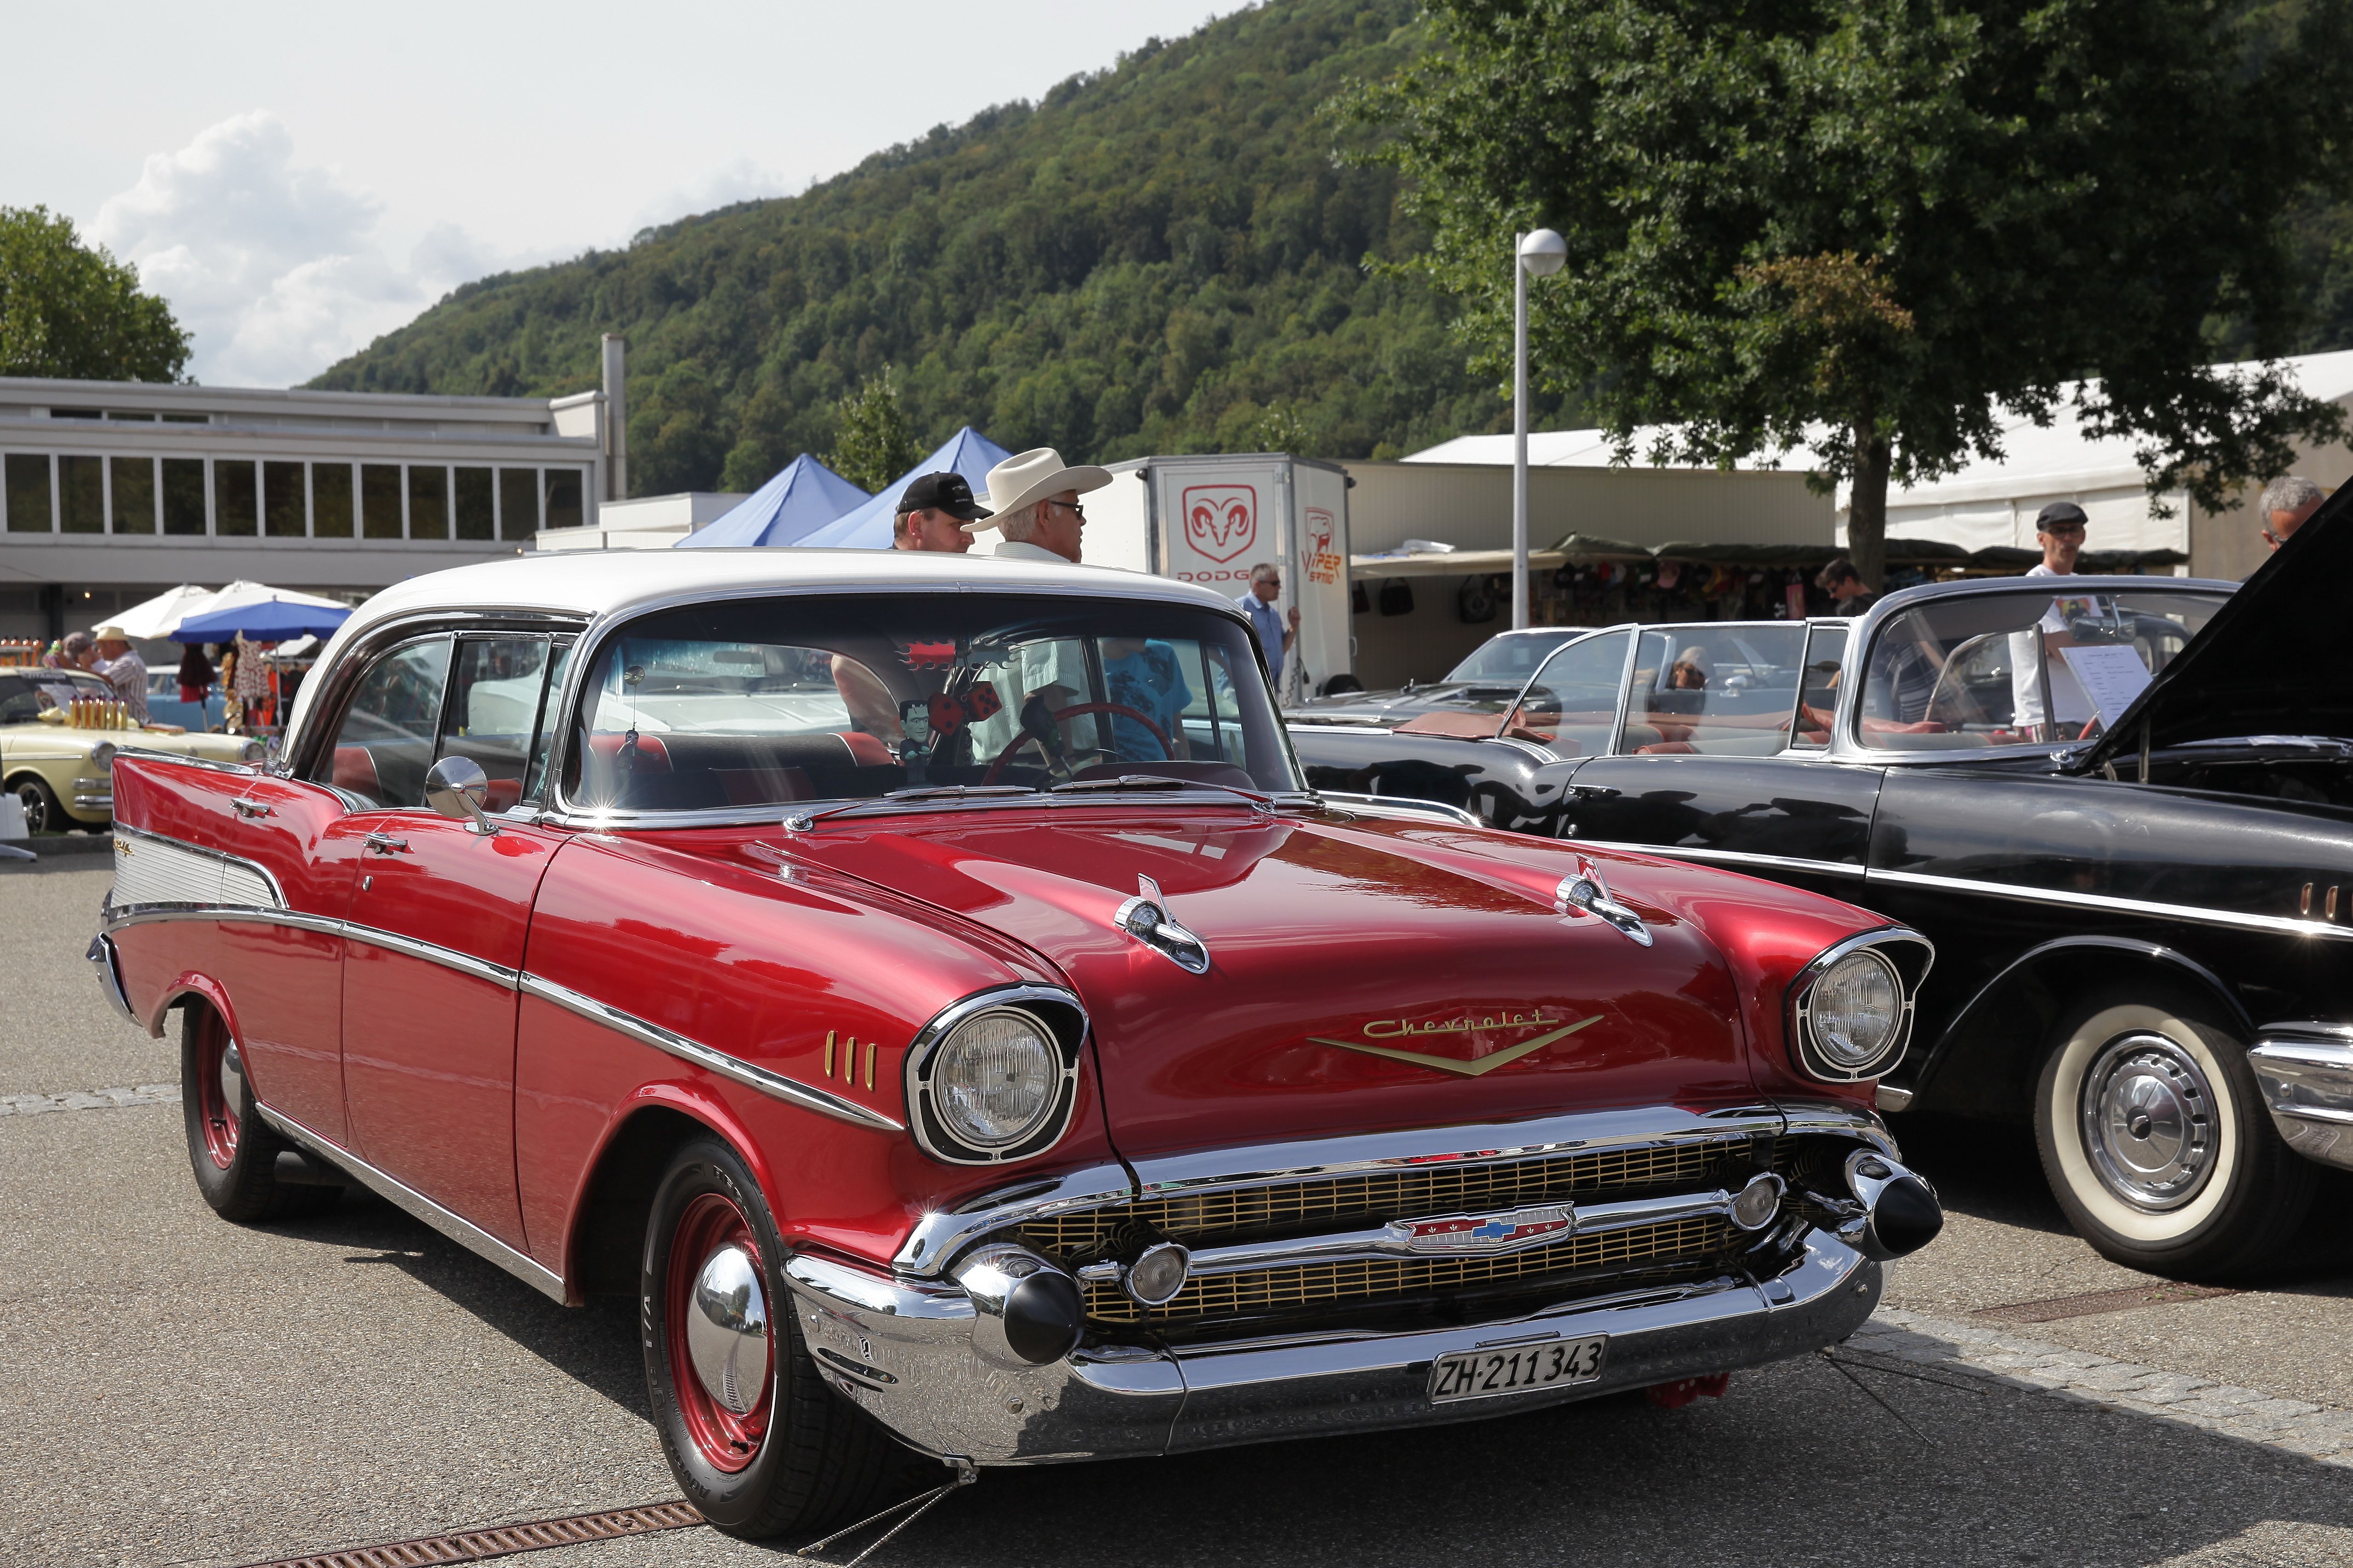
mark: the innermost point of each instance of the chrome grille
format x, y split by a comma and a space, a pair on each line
1322, 1284
1208, 1218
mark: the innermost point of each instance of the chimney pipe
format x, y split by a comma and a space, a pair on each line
616, 420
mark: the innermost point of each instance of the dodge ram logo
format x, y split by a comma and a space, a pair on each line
1221, 521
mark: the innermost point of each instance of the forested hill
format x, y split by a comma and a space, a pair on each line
1162, 256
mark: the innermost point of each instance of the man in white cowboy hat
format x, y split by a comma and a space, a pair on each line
1035, 499
123, 668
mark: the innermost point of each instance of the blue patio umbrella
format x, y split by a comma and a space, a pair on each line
967, 452
805, 495
264, 620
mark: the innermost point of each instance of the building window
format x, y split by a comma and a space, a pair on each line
132, 508
28, 486
476, 518
563, 498
380, 500
331, 501
428, 502
81, 493
517, 503
282, 513
237, 500
184, 495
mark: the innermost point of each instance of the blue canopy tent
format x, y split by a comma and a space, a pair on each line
803, 496
967, 452
264, 620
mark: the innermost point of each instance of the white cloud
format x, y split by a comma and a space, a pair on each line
274, 268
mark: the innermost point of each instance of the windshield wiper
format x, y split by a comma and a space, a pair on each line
1258, 800
801, 823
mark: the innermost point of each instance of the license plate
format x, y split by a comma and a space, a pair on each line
1482, 1375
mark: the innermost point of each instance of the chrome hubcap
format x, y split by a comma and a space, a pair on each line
2149, 1122
232, 1079
727, 1330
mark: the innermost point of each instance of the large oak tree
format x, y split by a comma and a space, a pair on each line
1866, 225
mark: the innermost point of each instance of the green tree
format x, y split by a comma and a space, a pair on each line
875, 446
1867, 225
72, 311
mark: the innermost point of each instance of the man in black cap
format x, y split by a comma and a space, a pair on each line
933, 511
2059, 530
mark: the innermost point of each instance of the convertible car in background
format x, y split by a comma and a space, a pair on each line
2122, 808
928, 985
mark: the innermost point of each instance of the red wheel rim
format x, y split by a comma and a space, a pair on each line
217, 1103
727, 1441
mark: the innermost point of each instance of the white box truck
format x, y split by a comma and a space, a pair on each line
1209, 518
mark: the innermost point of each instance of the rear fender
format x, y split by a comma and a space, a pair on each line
205, 988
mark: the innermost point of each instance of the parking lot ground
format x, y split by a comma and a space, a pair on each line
177, 1390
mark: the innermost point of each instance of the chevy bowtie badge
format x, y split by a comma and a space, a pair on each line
1392, 1029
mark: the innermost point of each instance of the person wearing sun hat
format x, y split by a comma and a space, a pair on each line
1035, 497
123, 668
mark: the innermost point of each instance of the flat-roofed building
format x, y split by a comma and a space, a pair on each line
111, 491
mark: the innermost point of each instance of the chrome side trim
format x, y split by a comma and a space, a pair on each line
432, 953
2202, 916
776, 1085
1732, 857
2306, 1073
130, 842
118, 916
110, 975
462, 1231
243, 770
1393, 805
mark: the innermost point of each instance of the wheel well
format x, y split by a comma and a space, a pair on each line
608, 1233
1987, 1063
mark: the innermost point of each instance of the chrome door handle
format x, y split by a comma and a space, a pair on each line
385, 844
250, 809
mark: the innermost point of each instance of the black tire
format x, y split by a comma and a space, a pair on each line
2155, 1140
232, 1151
43, 812
816, 1461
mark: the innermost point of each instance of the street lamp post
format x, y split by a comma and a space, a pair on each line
1539, 255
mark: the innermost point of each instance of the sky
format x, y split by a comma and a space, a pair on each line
297, 179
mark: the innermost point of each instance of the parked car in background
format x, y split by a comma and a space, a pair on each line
60, 771
2122, 808
930, 988
164, 705
1479, 687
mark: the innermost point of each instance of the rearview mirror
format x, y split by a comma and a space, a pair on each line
455, 788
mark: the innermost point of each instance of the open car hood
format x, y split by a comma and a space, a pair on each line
2271, 662
1335, 944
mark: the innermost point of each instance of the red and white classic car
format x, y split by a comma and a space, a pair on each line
927, 983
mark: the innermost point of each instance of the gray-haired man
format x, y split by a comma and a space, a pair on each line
2286, 502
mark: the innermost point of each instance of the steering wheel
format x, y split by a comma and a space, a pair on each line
1075, 711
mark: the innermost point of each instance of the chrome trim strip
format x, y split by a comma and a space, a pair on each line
2306, 1074
1398, 806
110, 976
118, 916
431, 952
938, 1235
776, 1085
915, 1069
137, 834
464, 1231
1335, 727
2244, 922
242, 770
1730, 856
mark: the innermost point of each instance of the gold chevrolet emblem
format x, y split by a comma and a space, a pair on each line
1392, 1029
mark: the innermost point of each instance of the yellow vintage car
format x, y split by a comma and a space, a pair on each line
63, 774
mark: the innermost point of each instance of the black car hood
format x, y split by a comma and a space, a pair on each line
1390, 708
2271, 662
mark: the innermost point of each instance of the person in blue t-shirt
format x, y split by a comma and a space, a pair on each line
1146, 677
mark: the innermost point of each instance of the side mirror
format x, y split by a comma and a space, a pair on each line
455, 788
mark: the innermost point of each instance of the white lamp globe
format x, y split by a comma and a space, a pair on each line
1543, 253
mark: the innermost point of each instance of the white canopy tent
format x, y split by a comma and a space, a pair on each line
160, 616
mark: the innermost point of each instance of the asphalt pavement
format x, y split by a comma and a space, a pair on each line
176, 1391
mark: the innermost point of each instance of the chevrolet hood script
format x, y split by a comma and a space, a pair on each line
1398, 1028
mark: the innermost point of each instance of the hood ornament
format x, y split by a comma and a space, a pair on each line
1587, 894
1146, 918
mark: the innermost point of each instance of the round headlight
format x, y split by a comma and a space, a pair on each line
102, 756
255, 751
995, 1080
1854, 1014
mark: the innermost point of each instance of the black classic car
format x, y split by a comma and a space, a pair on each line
2121, 807
1486, 682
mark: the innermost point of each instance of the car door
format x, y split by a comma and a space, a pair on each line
1712, 760
439, 911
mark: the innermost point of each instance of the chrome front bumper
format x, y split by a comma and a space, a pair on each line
2306, 1072
904, 1350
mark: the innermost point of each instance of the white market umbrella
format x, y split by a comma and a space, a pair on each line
160, 616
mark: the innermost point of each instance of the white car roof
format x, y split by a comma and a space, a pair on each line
607, 584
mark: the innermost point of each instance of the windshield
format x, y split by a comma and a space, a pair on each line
25, 694
2019, 669
850, 696
1510, 658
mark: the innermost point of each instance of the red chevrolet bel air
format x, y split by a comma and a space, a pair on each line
928, 985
